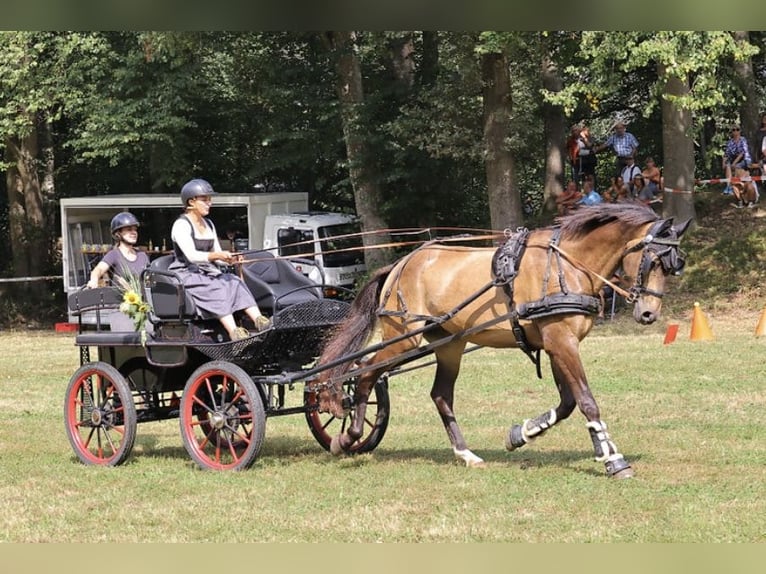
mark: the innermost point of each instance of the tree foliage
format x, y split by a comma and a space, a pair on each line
144, 111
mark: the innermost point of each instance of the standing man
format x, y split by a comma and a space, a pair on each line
623, 143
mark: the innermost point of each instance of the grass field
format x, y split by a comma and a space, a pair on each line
688, 416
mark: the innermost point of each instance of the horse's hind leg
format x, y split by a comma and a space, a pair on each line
448, 359
573, 388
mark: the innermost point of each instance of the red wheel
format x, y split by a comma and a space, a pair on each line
99, 415
324, 426
223, 420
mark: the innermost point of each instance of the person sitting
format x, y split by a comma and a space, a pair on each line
589, 194
568, 198
199, 260
745, 192
617, 191
123, 259
735, 155
629, 173
652, 176
641, 192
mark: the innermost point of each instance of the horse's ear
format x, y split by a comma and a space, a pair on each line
681, 229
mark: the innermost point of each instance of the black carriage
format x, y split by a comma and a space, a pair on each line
222, 391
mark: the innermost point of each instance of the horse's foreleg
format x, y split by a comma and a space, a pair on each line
573, 388
443, 394
530, 429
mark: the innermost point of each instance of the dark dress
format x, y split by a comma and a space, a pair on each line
215, 292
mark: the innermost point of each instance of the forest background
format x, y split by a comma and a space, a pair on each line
409, 128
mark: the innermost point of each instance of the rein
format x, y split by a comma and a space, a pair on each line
391, 245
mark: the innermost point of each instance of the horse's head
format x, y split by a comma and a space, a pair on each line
647, 262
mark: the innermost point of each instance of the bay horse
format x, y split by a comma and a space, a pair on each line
539, 291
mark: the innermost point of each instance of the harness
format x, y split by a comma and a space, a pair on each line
656, 248
505, 268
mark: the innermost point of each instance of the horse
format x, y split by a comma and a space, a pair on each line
538, 292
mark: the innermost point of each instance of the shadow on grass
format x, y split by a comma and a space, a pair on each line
284, 450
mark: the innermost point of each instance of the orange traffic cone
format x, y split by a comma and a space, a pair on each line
670, 334
760, 328
700, 327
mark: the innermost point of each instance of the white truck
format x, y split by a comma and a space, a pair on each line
326, 242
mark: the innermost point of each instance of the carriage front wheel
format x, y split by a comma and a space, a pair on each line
325, 426
223, 420
99, 415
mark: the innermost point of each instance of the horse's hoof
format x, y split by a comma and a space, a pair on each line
618, 468
515, 438
476, 464
335, 448
624, 473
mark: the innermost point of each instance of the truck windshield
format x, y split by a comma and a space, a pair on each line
336, 240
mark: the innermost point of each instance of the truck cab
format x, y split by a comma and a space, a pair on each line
327, 247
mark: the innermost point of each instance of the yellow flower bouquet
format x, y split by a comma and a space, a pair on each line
133, 305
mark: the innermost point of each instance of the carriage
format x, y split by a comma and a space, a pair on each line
221, 391
536, 292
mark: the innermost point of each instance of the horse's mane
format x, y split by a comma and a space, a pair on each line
588, 217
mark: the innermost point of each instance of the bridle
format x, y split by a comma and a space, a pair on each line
660, 247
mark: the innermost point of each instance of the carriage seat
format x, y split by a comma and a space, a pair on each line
166, 294
276, 284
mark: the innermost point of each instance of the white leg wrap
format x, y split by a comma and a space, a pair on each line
603, 446
533, 427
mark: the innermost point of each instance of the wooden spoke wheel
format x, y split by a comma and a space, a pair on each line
325, 426
223, 420
100, 415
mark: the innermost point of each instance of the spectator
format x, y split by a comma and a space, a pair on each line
589, 194
573, 147
617, 191
652, 176
623, 143
123, 259
735, 155
641, 191
568, 198
758, 141
629, 173
586, 156
745, 192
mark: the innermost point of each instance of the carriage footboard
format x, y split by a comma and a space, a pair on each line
295, 339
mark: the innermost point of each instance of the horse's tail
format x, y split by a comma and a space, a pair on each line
355, 329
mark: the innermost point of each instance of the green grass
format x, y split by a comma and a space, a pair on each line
688, 416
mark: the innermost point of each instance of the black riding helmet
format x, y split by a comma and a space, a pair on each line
194, 188
124, 219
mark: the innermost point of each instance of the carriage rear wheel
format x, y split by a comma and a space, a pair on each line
99, 415
223, 420
325, 426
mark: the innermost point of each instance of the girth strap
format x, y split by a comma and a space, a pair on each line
505, 268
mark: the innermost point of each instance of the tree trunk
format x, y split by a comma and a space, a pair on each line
368, 195
749, 117
555, 134
678, 146
26, 217
504, 197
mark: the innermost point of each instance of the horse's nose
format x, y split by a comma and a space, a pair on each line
648, 317
346, 403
